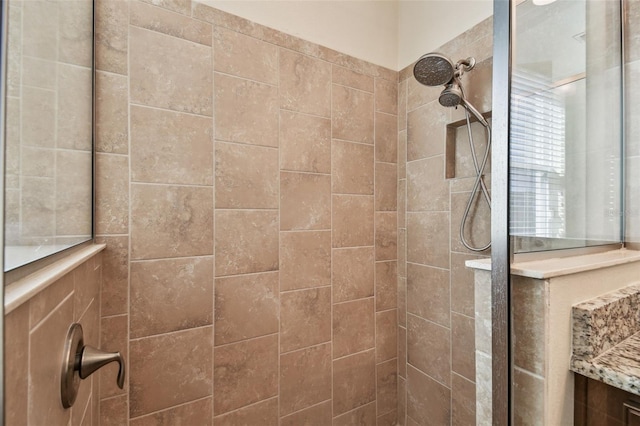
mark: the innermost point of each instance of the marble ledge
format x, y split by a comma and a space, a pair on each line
618, 367
559, 266
17, 293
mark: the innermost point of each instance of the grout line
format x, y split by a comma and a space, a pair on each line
372, 144
298, 290
372, 92
170, 408
213, 221
240, 77
129, 24
244, 144
315, 345
140, 105
253, 404
155, 259
130, 213
427, 320
317, 404
279, 241
179, 185
168, 333
304, 172
331, 153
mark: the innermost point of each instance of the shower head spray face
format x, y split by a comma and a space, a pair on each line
434, 69
452, 95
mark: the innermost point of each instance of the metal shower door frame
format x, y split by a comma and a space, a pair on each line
501, 250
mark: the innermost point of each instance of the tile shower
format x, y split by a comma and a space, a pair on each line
246, 193
281, 241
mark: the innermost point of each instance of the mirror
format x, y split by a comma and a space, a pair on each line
48, 128
566, 125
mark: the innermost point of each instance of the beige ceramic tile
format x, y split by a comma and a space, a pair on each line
386, 235
38, 117
171, 221
111, 113
426, 131
305, 201
386, 96
44, 369
427, 189
387, 385
170, 295
37, 162
115, 275
316, 415
305, 142
402, 154
160, 20
170, 73
73, 206
74, 107
262, 413
352, 230
402, 203
246, 176
114, 337
179, 6
40, 73
353, 327
37, 207
86, 284
386, 140
402, 352
419, 94
112, 29
305, 259
44, 302
352, 115
463, 348
305, 378
245, 111
305, 318
386, 335
428, 293
389, 419
243, 56
16, 331
462, 285
245, 372
428, 239
386, 188
386, 285
185, 354
193, 413
246, 241
352, 168
246, 306
528, 396
112, 194
352, 273
75, 38
363, 415
14, 49
402, 401
114, 411
477, 229
402, 105
530, 324
305, 84
346, 77
171, 147
427, 400
39, 21
429, 348
463, 401
354, 384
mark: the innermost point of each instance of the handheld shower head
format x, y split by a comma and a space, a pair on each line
434, 69
452, 95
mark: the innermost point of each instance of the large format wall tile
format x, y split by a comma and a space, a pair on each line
263, 413
245, 111
170, 295
171, 221
305, 142
305, 378
159, 67
429, 348
171, 147
352, 115
305, 259
354, 382
352, 221
353, 327
242, 56
305, 318
305, 201
160, 20
305, 84
352, 273
352, 168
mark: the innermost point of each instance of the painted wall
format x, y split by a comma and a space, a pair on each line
423, 26
388, 33
365, 29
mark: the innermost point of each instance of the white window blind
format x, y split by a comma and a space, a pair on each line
537, 155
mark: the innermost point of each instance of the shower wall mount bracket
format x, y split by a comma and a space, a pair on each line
81, 361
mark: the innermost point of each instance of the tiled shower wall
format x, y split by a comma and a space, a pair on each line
632, 93
436, 332
246, 193
35, 334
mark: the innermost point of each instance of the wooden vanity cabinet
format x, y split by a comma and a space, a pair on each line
598, 404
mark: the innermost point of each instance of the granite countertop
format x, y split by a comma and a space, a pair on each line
606, 339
